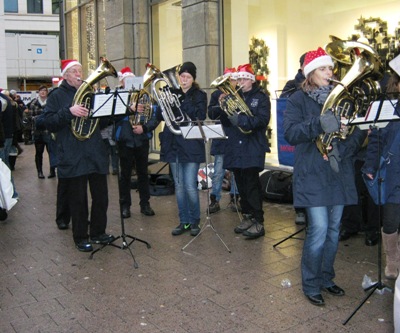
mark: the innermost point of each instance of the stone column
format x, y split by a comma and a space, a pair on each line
127, 34
200, 39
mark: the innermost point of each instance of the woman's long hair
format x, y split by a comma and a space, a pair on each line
393, 88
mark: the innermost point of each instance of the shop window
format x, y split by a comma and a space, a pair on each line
35, 6
11, 6
55, 6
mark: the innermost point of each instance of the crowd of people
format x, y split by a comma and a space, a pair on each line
324, 185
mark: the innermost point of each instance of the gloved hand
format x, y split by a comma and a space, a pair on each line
334, 157
234, 119
329, 122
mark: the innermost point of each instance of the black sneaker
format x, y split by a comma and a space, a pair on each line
194, 229
102, 239
255, 231
245, 224
180, 229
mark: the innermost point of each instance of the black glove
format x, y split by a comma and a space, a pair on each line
334, 157
234, 119
329, 122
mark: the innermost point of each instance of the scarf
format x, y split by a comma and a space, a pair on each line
320, 94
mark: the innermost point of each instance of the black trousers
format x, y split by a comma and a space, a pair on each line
364, 216
78, 205
250, 191
128, 157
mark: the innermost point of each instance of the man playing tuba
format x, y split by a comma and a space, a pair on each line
133, 148
81, 162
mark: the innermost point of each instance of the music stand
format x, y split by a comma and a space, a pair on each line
379, 114
111, 105
205, 131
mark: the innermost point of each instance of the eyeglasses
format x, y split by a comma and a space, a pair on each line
75, 71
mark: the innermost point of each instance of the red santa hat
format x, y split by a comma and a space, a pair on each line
125, 72
67, 64
230, 72
316, 59
245, 72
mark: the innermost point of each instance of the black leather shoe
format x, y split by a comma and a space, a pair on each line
84, 246
316, 299
62, 226
102, 239
126, 213
371, 238
40, 175
345, 234
335, 290
147, 210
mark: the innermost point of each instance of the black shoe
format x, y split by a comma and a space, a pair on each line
52, 173
335, 290
255, 231
194, 229
62, 226
102, 239
84, 245
40, 175
126, 213
371, 238
316, 299
345, 234
180, 229
214, 205
147, 210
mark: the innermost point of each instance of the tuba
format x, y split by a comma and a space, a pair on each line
83, 127
160, 86
232, 103
356, 90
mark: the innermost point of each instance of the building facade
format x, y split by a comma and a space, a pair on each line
220, 33
29, 43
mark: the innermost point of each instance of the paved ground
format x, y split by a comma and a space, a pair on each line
46, 285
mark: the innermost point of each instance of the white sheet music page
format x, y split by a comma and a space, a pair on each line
386, 113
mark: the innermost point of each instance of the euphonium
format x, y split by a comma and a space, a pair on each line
357, 89
232, 103
84, 127
140, 97
161, 84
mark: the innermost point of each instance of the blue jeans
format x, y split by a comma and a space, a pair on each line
218, 178
187, 194
320, 247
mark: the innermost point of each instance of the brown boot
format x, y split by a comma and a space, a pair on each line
390, 244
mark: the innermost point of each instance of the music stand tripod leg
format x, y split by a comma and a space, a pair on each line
289, 237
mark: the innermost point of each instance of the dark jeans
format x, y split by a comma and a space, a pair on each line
128, 157
391, 221
250, 191
78, 205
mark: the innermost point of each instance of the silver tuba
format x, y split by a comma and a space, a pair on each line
160, 85
356, 90
83, 127
232, 103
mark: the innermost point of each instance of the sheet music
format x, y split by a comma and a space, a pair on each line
214, 131
103, 104
387, 113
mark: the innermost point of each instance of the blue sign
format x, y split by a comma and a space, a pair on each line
39, 51
285, 151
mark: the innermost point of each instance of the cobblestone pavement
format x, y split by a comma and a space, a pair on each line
46, 285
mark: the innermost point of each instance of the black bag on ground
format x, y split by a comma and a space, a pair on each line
161, 185
277, 186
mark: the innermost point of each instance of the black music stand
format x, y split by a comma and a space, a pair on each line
112, 105
379, 114
292, 236
205, 131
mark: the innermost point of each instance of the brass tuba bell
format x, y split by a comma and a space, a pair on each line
356, 90
232, 103
83, 127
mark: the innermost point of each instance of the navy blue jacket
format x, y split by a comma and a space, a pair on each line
383, 140
314, 182
248, 150
194, 105
7, 119
214, 113
76, 158
124, 133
